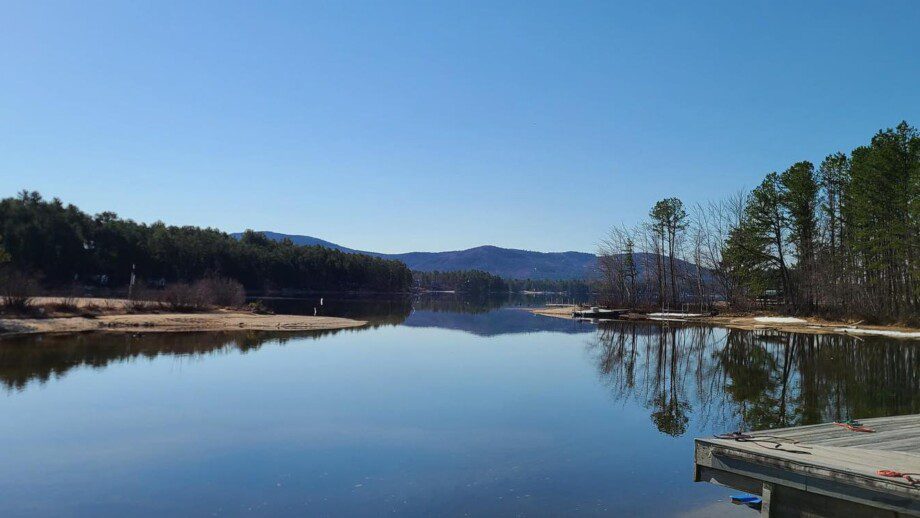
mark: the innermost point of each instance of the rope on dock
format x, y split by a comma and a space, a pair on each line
854, 426
897, 474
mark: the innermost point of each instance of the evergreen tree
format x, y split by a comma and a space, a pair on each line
834, 176
763, 235
800, 203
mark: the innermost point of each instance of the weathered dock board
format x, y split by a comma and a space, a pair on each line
821, 470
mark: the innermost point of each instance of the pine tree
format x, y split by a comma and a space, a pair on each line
766, 226
834, 176
799, 199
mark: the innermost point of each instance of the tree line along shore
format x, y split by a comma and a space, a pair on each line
60, 245
840, 240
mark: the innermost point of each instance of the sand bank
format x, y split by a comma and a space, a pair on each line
216, 320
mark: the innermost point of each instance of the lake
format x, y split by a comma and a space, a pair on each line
440, 407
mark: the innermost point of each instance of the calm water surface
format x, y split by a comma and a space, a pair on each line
442, 407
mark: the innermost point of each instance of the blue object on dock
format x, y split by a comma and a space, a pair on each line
754, 502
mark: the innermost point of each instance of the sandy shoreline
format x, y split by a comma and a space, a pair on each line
112, 317
174, 322
766, 322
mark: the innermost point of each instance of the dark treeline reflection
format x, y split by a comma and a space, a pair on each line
27, 359
457, 303
732, 379
395, 309
383, 309
376, 310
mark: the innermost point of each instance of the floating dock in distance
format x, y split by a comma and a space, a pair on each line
822, 470
596, 312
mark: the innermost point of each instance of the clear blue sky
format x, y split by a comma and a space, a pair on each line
397, 126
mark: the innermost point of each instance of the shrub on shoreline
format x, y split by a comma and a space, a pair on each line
181, 297
17, 290
203, 294
221, 291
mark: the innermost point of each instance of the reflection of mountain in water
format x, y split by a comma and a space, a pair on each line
31, 358
496, 322
749, 380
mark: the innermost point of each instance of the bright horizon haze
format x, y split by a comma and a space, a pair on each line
398, 127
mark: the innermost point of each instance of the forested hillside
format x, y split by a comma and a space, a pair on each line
61, 245
507, 263
479, 283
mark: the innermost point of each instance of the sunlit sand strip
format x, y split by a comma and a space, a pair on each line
780, 320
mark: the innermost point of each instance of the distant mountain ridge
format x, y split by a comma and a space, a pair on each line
505, 262
304, 241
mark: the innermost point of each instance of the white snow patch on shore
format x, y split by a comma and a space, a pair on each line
780, 320
673, 315
879, 332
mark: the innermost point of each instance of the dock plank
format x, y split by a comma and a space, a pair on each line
826, 460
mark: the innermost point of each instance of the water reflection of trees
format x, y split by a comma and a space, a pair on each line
392, 309
734, 379
395, 309
375, 309
460, 303
27, 359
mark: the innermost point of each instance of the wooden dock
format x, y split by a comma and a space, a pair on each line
821, 470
